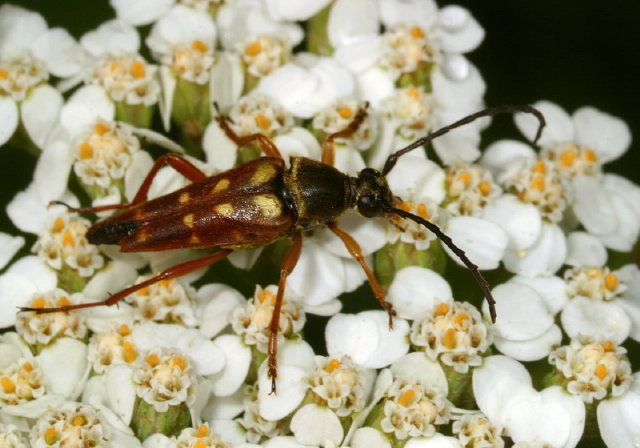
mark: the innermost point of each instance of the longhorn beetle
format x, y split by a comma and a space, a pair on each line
259, 202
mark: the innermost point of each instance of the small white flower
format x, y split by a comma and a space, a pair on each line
578, 146
72, 421
11, 437
592, 368
30, 51
166, 301
42, 329
476, 430
503, 392
165, 378
115, 347
455, 334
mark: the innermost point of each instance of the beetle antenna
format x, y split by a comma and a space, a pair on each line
484, 285
490, 112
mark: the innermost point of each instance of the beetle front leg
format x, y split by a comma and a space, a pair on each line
265, 142
329, 146
169, 273
290, 261
356, 252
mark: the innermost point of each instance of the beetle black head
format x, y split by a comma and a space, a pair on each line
373, 196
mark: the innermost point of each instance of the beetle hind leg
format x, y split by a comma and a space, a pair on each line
329, 146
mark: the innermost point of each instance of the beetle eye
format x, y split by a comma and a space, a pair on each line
368, 206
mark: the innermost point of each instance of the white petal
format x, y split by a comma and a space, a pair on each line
314, 424
593, 206
374, 84
415, 291
298, 353
280, 442
416, 367
221, 301
522, 314
298, 142
559, 418
393, 343
20, 28
607, 135
51, 175
544, 257
370, 438
349, 161
592, 317
39, 113
8, 118
359, 55
289, 395
483, 241
222, 408
292, 86
505, 158
459, 31
552, 289
350, 20
417, 177
417, 11
221, 152
63, 55
521, 221
353, 335
84, 107
435, 441
559, 127
532, 349
584, 249
115, 276
140, 12
15, 291
618, 420
10, 246
459, 88
32, 268
293, 10
114, 38
227, 80
64, 366
623, 188
318, 276
237, 361
121, 391
498, 382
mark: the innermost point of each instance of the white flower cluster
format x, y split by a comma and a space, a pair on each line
187, 361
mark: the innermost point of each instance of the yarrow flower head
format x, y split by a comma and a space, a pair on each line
592, 368
75, 423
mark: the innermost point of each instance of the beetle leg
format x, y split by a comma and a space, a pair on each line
265, 142
290, 261
329, 146
172, 272
175, 161
356, 252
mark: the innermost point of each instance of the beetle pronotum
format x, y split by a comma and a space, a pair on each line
259, 202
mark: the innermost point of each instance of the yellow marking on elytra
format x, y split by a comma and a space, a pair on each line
194, 239
184, 197
225, 209
221, 185
268, 204
263, 174
188, 220
142, 236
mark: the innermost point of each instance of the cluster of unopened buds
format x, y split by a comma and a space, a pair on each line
194, 357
